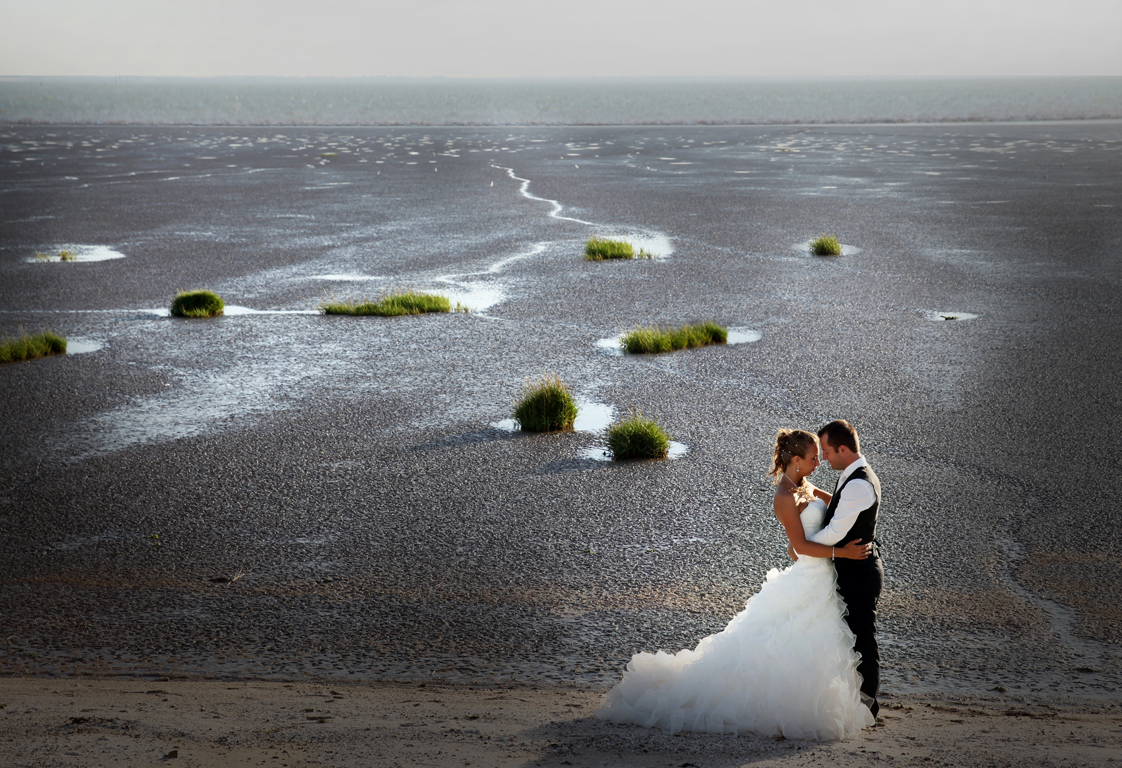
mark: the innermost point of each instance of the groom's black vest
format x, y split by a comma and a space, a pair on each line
865, 528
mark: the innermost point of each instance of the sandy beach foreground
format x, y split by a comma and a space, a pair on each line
88, 722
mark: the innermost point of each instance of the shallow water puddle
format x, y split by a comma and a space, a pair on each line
943, 316
75, 253
743, 336
612, 346
79, 346
654, 243
473, 296
677, 451
740, 335
233, 310
595, 418
591, 417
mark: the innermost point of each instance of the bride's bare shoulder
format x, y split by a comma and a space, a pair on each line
783, 500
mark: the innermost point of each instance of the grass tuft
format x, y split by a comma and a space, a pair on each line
393, 305
63, 255
637, 438
827, 245
197, 304
30, 347
656, 339
600, 249
546, 406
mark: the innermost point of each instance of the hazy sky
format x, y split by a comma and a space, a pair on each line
522, 38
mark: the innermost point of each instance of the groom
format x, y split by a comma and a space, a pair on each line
852, 516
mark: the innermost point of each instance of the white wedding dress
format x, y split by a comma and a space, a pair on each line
785, 665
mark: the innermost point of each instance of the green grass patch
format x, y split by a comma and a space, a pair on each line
637, 438
392, 305
63, 255
827, 245
546, 406
600, 249
656, 339
30, 347
197, 304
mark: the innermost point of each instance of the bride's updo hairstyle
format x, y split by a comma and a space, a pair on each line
790, 443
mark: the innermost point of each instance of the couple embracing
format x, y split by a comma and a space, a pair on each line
801, 659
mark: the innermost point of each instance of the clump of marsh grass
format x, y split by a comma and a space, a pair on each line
30, 347
546, 406
63, 255
393, 305
826, 245
600, 249
655, 339
197, 304
637, 438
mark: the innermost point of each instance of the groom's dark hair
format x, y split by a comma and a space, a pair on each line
840, 432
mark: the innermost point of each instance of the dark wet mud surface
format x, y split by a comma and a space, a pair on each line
282, 494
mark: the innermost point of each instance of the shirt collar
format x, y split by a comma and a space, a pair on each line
852, 468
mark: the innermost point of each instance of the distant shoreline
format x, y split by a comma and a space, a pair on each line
869, 123
554, 102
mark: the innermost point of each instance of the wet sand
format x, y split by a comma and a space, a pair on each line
290, 497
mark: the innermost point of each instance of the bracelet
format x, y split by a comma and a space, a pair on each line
831, 553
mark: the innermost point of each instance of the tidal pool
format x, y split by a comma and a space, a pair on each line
613, 345
80, 346
53, 254
677, 451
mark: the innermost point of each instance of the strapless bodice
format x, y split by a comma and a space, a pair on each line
813, 516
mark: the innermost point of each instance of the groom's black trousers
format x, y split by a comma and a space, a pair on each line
860, 583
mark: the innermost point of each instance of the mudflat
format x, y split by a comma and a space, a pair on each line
277, 497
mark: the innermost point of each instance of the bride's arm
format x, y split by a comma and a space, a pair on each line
788, 515
821, 494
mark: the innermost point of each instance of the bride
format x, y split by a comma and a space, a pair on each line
784, 665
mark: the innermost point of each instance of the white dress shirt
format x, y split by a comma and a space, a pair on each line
856, 497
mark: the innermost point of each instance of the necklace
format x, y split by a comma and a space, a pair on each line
794, 485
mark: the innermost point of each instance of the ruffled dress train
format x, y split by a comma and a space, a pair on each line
785, 665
